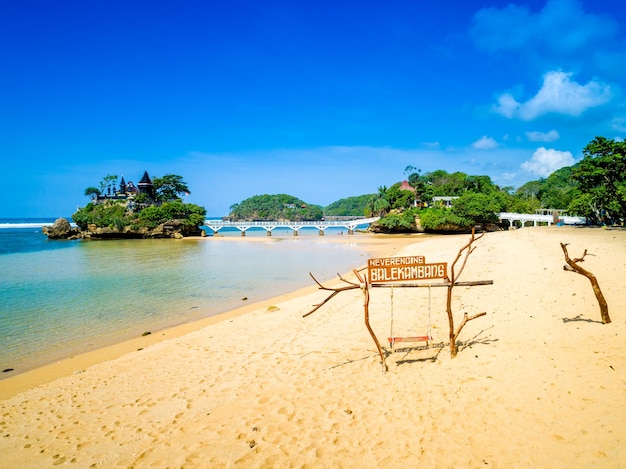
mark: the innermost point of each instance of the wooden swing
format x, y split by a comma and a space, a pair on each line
392, 339
381, 271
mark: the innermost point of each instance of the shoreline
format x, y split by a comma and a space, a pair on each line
269, 388
374, 245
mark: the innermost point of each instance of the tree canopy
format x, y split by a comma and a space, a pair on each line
139, 210
275, 207
477, 200
600, 179
169, 187
348, 207
595, 188
556, 191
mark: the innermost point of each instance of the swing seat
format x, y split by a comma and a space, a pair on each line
419, 338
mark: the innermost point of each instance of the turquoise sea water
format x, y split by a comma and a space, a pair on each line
58, 298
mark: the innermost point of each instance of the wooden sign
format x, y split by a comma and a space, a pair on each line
407, 268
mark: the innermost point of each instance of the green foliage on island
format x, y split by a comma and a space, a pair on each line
275, 207
400, 220
348, 207
594, 188
135, 210
474, 199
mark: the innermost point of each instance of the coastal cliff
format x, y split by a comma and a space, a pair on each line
62, 229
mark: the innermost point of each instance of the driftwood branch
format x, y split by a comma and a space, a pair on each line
465, 320
572, 266
467, 249
335, 291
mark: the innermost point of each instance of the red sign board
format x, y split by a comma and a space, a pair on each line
407, 268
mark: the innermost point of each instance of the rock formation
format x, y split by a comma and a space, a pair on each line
170, 229
61, 229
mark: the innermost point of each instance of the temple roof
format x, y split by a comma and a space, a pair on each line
405, 186
145, 179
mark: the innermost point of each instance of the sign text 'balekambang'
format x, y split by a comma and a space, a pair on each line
395, 269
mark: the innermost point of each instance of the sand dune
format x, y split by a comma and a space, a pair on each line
537, 382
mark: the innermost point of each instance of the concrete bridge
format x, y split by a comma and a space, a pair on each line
349, 224
535, 218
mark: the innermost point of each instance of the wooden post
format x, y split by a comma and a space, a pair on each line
366, 308
454, 275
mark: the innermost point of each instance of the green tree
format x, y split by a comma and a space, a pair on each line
477, 207
400, 221
92, 192
169, 187
378, 205
444, 184
400, 199
436, 219
601, 181
154, 215
558, 190
107, 214
530, 190
108, 184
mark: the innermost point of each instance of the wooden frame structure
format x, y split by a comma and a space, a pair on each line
411, 272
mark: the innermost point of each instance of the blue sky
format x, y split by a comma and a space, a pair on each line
321, 100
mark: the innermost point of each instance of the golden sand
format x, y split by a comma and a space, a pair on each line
537, 382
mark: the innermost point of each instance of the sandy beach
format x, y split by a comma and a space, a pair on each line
538, 381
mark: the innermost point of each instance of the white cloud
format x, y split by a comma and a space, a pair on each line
619, 124
507, 176
543, 136
562, 30
485, 143
558, 94
507, 105
545, 161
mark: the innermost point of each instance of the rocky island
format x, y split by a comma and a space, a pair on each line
151, 209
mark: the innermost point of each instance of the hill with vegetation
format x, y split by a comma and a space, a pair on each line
278, 207
594, 188
348, 207
152, 209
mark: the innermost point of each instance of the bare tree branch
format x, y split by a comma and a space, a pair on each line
468, 249
334, 291
572, 266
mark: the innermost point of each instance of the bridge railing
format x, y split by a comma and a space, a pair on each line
356, 221
540, 218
